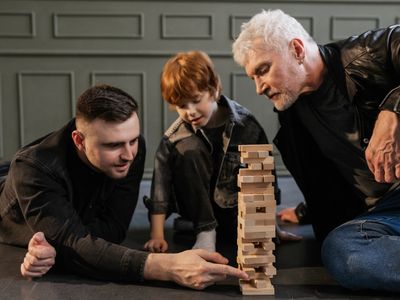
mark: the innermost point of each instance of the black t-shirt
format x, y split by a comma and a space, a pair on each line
334, 123
214, 135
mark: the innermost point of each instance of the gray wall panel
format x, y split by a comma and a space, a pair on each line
126, 43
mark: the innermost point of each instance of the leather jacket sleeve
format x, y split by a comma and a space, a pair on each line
392, 100
46, 206
161, 185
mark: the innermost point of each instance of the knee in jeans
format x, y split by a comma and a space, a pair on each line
341, 259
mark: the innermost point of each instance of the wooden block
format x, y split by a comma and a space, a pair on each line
256, 147
268, 178
269, 270
256, 235
247, 172
252, 188
249, 229
255, 259
255, 166
249, 154
260, 283
262, 160
269, 204
260, 222
251, 272
257, 207
268, 166
247, 289
252, 179
255, 154
253, 246
252, 215
255, 197
265, 240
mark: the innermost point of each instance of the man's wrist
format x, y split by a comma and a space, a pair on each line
391, 101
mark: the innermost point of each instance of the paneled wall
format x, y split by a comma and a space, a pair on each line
50, 51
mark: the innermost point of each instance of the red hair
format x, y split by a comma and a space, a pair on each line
186, 74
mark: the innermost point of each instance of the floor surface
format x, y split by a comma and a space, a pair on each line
300, 274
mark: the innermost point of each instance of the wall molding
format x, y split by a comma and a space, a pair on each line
144, 53
209, 17
32, 22
20, 76
334, 37
250, 1
57, 17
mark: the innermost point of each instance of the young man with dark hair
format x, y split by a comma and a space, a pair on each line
77, 189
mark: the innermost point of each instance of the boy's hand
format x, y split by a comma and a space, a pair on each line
156, 245
39, 258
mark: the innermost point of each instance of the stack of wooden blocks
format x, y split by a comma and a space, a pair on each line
256, 219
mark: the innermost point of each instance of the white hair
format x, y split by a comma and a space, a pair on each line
275, 28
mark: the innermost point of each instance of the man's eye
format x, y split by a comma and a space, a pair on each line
113, 146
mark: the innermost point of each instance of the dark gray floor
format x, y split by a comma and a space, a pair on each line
300, 274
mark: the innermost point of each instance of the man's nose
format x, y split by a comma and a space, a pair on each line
127, 153
260, 86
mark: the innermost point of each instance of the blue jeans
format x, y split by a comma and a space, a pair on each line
364, 253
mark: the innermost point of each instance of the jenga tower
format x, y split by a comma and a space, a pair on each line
256, 219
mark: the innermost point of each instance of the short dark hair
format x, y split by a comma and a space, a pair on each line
105, 102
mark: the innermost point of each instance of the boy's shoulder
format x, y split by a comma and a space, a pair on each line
178, 130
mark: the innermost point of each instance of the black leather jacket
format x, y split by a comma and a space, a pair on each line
242, 128
366, 69
83, 214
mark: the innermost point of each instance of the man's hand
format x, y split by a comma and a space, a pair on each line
156, 245
383, 151
288, 215
39, 258
196, 269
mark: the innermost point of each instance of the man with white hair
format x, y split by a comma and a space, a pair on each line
338, 106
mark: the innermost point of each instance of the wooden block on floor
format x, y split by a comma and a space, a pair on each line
268, 270
256, 147
247, 289
260, 283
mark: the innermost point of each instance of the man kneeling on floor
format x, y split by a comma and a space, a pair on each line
77, 188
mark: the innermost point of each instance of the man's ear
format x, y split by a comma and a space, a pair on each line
298, 49
78, 139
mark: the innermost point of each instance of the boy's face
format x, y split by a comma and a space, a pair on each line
110, 147
199, 110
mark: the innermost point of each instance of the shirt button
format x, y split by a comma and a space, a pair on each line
365, 140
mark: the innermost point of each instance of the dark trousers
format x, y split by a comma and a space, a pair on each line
193, 170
